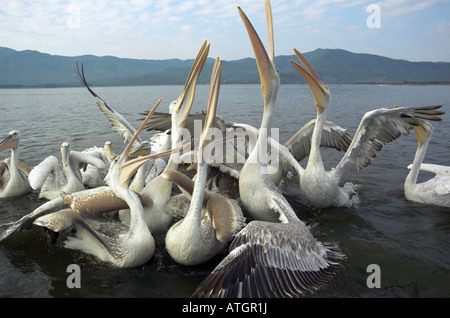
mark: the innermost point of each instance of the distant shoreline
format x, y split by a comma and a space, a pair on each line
334, 84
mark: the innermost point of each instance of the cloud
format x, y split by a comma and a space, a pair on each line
404, 7
175, 28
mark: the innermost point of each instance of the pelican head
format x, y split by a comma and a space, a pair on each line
109, 150
423, 131
142, 150
268, 72
319, 90
182, 106
65, 151
128, 168
11, 141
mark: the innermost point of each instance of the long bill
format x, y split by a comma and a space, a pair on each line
266, 66
421, 131
129, 168
213, 96
65, 152
318, 89
126, 151
8, 143
186, 98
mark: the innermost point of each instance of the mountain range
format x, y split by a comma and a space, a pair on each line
334, 66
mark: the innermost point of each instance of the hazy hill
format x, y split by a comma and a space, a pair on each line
34, 69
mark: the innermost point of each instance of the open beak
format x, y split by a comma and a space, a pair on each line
319, 90
266, 65
142, 150
125, 153
9, 143
421, 130
186, 98
129, 168
213, 97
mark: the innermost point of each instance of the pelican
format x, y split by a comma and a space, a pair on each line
435, 191
253, 183
111, 241
91, 175
298, 145
377, 127
160, 189
13, 181
149, 170
52, 177
267, 258
91, 204
161, 124
205, 229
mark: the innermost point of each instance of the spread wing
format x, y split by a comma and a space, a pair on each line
118, 122
378, 128
333, 136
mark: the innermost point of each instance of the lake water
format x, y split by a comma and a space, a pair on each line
409, 242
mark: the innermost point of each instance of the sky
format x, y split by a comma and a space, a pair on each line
415, 30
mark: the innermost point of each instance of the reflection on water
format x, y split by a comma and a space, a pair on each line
408, 241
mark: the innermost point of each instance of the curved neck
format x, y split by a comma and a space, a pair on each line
418, 159
137, 221
78, 157
138, 224
314, 155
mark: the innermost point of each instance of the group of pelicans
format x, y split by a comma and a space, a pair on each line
112, 206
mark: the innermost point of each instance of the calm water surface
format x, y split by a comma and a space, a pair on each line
408, 241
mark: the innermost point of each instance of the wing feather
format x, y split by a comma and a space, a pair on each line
379, 127
118, 122
265, 260
333, 136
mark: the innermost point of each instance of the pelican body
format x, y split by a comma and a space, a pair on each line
13, 182
51, 177
93, 176
435, 191
200, 234
160, 189
252, 181
111, 241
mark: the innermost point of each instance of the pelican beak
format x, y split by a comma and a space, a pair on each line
124, 155
266, 65
422, 129
65, 151
213, 97
186, 98
319, 90
109, 150
192, 166
142, 150
129, 168
9, 143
